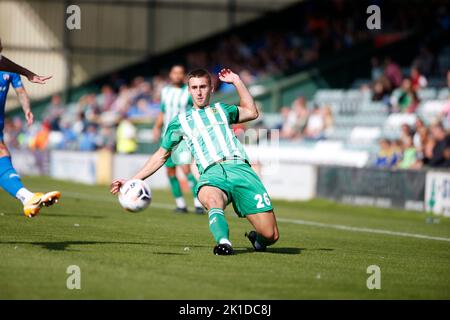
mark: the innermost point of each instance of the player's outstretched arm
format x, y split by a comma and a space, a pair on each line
155, 162
25, 102
10, 66
247, 106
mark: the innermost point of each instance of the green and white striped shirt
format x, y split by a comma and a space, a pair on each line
174, 100
208, 134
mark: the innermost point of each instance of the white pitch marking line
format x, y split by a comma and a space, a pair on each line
161, 205
367, 230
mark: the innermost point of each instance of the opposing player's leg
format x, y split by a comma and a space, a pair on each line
215, 201
175, 187
266, 230
10, 181
193, 185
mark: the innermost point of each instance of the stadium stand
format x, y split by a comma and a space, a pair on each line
296, 87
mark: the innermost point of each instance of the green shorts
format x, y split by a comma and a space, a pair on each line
241, 185
179, 156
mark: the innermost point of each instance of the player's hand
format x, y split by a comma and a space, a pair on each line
38, 79
29, 117
115, 186
228, 76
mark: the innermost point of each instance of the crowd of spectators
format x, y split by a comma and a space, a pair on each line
107, 119
418, 146
399, 92
301, 123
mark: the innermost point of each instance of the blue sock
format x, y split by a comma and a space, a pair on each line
9, 179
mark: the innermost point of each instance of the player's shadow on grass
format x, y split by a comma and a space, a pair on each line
64, 245
74, 216
271, 250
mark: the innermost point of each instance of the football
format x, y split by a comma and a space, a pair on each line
135, 195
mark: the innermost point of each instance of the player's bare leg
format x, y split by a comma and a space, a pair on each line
215, 200
266, 230
176, 190
192, 184
11, 182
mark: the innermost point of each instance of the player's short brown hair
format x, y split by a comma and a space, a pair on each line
199, 73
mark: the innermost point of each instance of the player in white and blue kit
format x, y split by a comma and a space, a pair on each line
9, 179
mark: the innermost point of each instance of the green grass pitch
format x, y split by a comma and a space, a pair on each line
323, 252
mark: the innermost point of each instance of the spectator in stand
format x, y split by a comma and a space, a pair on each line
418, 81
446, 113
40, 141
396, 148
126, 136
405, 132
381, 90
80, 124
384, 158
69, 138
106, 138
409, 154
328, 120
140, 110
392, 72
420, 130
377, 70
296, 120
54, 112
91, 109
442, 141
406, 99
106, 98
315, 126
88, 139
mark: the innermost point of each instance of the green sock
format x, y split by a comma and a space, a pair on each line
218, 225
263, 242
192, 182
175, 186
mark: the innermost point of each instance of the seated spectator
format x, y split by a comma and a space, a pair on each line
406, 99
40, 141
396, 149
315, 126
328, 120
126, 136
88, 139
405, 132
385, 157
296, 120
442, 141
420, 136
54, 112
418, 81
409, 156
381, 91
69, 138
446, 112
392, 72
106, 98
140, 110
